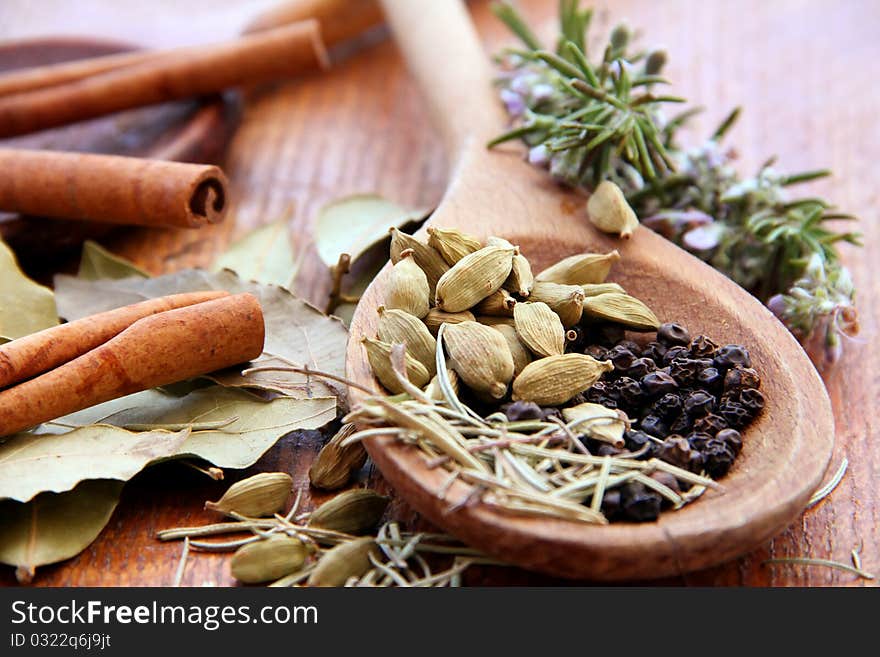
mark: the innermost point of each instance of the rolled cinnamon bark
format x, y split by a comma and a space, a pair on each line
339, 19
111, 188
198, 71
157, 350
39, 77
39, 352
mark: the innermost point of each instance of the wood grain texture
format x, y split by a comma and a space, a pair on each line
798, 67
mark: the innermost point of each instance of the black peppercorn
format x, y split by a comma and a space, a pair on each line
522, 410
699, 403
658, 383
655, 351
634, 347
628, 391
667, 480
596, 351
611, 503
653, 425
681, 424
640, 367
731, 355
732, 438
667, 407
675, 352
621, 357
698, 440
636, 440
675, 450
752, 399
740, 378
710, 379
638, 503
600, 393
673, 334
702, 347
718, 458
711, 424
736, 415
685, 370
697, 462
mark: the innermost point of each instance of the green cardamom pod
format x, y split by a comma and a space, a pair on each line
267, 560
342, 562
336, 462
352, 512
259, 496
452, 244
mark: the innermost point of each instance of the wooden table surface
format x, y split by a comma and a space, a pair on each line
802, 70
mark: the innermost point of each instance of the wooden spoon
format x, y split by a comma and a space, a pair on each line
786, 450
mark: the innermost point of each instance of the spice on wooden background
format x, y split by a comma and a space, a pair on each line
111, 188
188, 73
554, 411
156, 350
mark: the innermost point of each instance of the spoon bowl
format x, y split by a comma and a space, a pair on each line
786, 450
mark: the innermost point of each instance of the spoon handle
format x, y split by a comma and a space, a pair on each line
444, 54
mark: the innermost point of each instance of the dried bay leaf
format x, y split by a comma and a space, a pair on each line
97, 262
295, 330
352, 224
263, 255
34, 463
54, 526
256, 427
25, 306
227, 427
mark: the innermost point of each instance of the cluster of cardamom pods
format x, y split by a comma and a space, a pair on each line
300, 549
504, 330
337, 544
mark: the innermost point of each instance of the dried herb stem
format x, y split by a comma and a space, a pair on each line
181, 566
825, 563
829, 487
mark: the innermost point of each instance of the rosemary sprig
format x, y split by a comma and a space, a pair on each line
586, 122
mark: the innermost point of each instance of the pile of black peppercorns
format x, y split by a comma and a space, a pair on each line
688, 400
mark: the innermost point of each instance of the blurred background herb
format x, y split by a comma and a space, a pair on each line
588, 122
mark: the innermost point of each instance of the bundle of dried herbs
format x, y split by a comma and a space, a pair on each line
525, 386
588, 122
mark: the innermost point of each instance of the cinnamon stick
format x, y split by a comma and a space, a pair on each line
157, 350
39, 352
340, 19
196, 71
39, 77
111, 188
